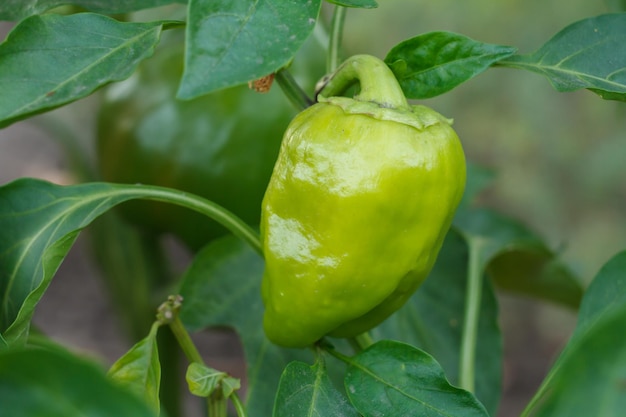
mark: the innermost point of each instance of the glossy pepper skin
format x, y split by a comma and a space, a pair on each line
222, 146
360, 200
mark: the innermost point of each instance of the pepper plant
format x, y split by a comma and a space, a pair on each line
381, 274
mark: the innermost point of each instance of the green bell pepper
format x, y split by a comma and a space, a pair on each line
357, 208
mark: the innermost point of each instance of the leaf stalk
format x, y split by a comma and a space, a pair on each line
467, 363
336, 35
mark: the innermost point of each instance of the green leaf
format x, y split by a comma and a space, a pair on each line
431, 64
202, 380
231, 43
230, 385
306, 390
50, 383
39, 222
516, 259
48, 61
222, 287
593, 364
432, 320
363, 4
587, 54
139, 370
20, 9
396, 379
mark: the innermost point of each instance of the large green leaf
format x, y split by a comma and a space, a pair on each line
587, 54
433, 321
222, 287
394, 379
20, 9
593, 364
48, 61
307, 390
233, 42
39, 222
436, 62
52, 383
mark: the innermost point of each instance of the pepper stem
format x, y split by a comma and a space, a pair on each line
377, 82
296, 95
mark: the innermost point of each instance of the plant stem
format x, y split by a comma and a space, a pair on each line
203, 206
467, 361
361, 342
296, 95
168, 314
336, 34
239, 408
217, 404
345, 359
185, 342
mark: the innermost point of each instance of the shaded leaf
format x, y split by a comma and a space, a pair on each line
231, 43
535, 271
307, 390
587, 54
593, 364
139, 369
50, 383
222, 287
516, 259
432, 320
431, 64
20, 9
396, 379
39, 222
48, 61
364, 4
